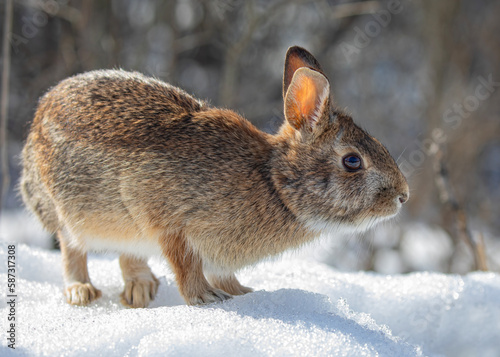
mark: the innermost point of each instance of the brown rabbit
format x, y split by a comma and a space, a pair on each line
119, 161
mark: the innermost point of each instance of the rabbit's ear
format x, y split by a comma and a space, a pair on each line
297, 57
306, 99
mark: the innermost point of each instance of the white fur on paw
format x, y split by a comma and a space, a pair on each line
139, 292
81, 294
209, 296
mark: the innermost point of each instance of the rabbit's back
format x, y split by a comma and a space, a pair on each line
113, 107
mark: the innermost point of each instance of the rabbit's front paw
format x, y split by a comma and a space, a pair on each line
81, 294
208, 296
139, 292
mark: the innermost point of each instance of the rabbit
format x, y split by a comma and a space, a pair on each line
118, 161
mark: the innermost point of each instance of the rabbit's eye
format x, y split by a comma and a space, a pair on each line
352, 162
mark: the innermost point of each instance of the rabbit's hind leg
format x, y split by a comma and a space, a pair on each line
141, 285
78, 288
229, 284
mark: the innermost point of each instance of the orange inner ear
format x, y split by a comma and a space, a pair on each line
306, 96
304, 99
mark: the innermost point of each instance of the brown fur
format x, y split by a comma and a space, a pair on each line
116, 160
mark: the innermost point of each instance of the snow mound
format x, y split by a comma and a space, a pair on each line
300, 308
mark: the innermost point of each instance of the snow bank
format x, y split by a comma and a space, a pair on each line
300, 308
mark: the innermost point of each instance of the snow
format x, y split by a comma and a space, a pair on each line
300, 308
20, 226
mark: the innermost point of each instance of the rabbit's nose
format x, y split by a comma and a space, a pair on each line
403, 197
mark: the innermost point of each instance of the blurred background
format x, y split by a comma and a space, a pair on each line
421, 76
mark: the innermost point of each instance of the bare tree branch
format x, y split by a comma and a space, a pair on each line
234, 52
65, 12
455, 211
7, 33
